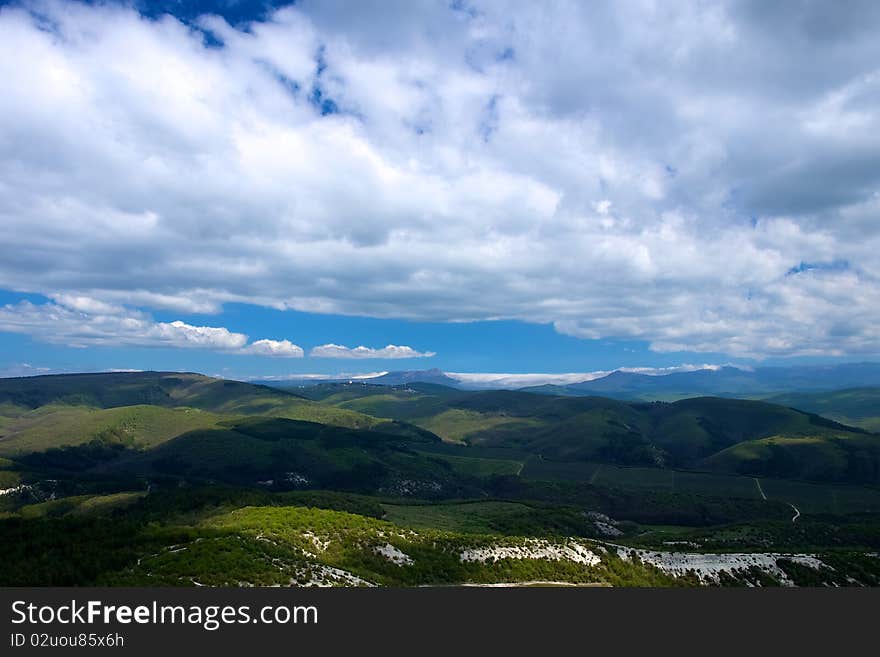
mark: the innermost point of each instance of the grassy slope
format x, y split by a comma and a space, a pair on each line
692, 433
166, 389
284, 545
858, 407
492, 517
764, 439
81, 505
145, 409
808, 497
818, 458
479, 467
235, 548
456, 424
260, 539
285, 454
724, 435
141, 426
471, 517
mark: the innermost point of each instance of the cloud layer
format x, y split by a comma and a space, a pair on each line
522, 380
701, 176
392, 351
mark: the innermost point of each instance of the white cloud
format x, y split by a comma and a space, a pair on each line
275, 348
86, 304
317, 377
24, 369
181, 334
390, 352
71, 325
657, 181
366, 375
59, 324
506, 380
660, 371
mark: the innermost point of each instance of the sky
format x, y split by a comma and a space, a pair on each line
258, 189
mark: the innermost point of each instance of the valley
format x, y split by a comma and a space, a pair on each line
181, 479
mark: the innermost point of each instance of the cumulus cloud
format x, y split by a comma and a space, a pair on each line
86, 304
78, 322
640, 170
275, 348
390, 352
59, 324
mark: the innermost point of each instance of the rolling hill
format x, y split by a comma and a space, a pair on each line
859, 407
160, 478
690, 433
167, 390
287, 454
173, 416
138, 426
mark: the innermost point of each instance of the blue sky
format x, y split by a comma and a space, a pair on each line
234, 11
497, 346
251, 188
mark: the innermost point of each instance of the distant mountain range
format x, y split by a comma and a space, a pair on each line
398, 378
724, 381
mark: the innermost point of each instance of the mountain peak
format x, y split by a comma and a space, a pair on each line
433, 375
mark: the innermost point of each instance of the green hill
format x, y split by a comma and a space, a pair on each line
157, 478
694, 433
706, 433
140, 426
107, 390
859, 407
169, 389
275, 453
